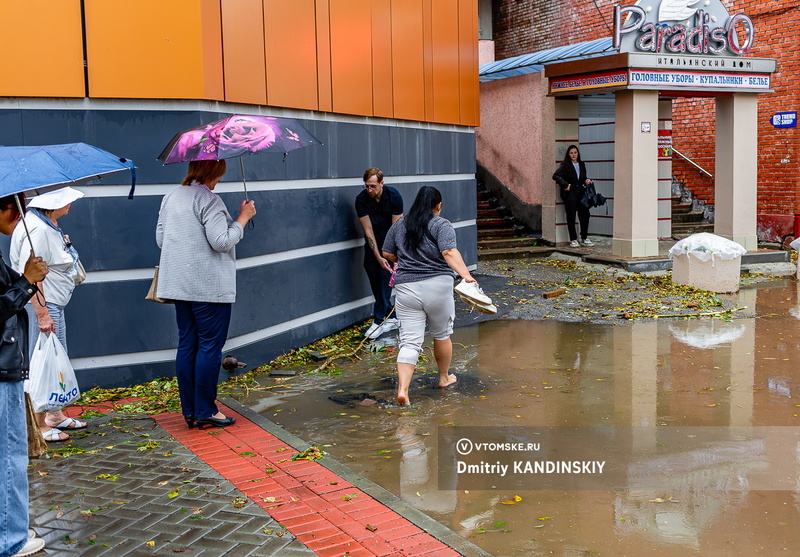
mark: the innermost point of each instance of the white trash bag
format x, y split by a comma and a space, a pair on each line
707, 247
52, 384
795, 245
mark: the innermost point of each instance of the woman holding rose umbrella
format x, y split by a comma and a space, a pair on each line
197, 237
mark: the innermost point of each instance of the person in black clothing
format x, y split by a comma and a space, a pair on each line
572, 181
15, 291
378, 207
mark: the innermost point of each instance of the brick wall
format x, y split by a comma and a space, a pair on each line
525, 26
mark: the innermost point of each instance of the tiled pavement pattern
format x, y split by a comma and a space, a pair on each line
164, 501
233, 491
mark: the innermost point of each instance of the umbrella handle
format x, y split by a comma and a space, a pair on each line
250, 224
24, 224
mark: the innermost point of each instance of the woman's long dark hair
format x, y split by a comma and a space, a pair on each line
566, 154
419, 215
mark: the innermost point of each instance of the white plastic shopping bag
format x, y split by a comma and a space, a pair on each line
52, 384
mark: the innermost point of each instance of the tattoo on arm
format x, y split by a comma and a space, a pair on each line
371, 244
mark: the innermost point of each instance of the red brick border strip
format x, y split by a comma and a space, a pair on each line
325, 512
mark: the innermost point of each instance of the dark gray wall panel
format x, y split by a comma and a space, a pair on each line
254, 354
114, 233
266, 296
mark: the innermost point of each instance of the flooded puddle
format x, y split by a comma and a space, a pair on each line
634, 396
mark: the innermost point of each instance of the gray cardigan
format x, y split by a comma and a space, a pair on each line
197, 237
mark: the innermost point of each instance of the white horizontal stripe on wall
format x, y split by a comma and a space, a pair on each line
266, 185
247, 262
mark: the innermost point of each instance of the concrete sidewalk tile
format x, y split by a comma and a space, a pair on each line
395, 527
260, 485
287, 481
421, 543
366, 510
324, 486
290, 510
443, 551
378, 516
339, 544
299, 520
208, 471
302, 492
339, 492
259, 493
348, 552
378, 546
300, 468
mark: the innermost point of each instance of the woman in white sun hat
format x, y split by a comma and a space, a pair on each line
54, 247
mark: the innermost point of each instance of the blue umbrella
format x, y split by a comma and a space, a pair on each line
43, 168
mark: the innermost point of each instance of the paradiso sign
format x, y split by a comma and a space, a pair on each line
673, 46
681, 26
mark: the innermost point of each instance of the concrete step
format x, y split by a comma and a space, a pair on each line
514, 253
489, 213
502, 232
492, 221
503, 243
680, 231
681, 207
686, 218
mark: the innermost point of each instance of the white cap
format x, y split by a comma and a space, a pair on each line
55, 199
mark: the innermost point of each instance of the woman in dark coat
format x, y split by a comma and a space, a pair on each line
572, 181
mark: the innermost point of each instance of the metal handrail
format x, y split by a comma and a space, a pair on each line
690, 161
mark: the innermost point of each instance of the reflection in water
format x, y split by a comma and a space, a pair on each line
736, 493
707, 334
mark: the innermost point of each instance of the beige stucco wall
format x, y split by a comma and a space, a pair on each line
515, 141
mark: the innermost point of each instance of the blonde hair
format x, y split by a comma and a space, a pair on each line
204, 171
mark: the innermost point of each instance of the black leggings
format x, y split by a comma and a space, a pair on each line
572, 205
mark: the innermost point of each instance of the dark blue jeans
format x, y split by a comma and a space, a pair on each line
379, 282
202, 331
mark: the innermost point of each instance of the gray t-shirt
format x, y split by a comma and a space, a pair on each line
427, 260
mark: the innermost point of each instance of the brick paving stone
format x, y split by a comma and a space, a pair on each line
217, 492
134, 509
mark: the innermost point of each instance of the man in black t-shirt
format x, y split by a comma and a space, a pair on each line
378, 207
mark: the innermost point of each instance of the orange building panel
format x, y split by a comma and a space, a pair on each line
154, 49
407, 60
243, 53
427, 57
291, 53
382, 85
468, 62
445, 46
324, 90
44, 49
351, 56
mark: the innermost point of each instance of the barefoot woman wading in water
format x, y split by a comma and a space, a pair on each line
423, 244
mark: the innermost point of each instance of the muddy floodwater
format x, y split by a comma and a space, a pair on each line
696, 421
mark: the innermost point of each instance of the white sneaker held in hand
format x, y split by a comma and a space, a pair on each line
472, 292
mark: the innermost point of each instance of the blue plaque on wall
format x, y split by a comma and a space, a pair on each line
784, 119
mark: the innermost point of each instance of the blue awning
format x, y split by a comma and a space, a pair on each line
530, 63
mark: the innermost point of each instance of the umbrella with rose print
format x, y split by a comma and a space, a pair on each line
235, 136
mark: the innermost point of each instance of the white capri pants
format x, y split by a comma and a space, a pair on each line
429, 300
